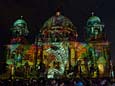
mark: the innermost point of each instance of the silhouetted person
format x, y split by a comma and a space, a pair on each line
41, 69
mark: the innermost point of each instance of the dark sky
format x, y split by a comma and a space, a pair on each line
35, 12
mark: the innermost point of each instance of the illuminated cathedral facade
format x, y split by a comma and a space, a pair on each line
56, 52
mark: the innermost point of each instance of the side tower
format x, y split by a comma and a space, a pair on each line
97, 38
19, 31
17, 46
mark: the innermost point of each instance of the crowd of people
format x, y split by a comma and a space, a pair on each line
58, 82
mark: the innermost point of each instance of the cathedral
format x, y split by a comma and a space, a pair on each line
56, 52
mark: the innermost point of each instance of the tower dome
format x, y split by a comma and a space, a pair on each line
94, 28
19, 22
20, 28
93, 20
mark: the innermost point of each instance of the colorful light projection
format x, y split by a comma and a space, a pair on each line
58, 49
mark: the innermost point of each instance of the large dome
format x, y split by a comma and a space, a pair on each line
58, 28
58, 20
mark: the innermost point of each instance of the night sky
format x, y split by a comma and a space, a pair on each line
35, 12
